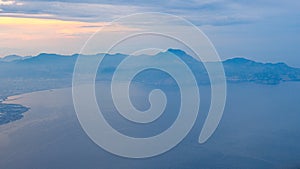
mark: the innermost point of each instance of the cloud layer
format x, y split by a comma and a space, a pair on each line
265, 30
204, 12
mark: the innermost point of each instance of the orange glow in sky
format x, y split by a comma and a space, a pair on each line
36, 35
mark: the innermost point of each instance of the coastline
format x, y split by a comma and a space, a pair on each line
17, 100
11, 111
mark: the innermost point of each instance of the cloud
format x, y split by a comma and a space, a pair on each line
237, 27
6, 2
71, 11
10, 2
204, 12
200, 12
34, 35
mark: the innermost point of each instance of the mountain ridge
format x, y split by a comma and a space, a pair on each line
175, 51
55, 66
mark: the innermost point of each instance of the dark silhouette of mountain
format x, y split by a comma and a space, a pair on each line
46, 71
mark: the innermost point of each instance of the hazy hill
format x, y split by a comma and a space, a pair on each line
10, 58
52, 70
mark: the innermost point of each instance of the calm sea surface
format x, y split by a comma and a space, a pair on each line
260, 129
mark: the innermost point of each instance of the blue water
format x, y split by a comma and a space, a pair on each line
260, 129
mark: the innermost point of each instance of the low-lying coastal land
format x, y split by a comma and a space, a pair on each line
11, 112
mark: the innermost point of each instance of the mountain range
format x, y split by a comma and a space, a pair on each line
53, 70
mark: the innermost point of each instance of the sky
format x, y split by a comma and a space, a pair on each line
267, 31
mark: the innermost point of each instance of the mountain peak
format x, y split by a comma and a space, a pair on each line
11, 58
176, 51
239, 60
46, 55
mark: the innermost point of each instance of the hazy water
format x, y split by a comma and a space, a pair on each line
260, 129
